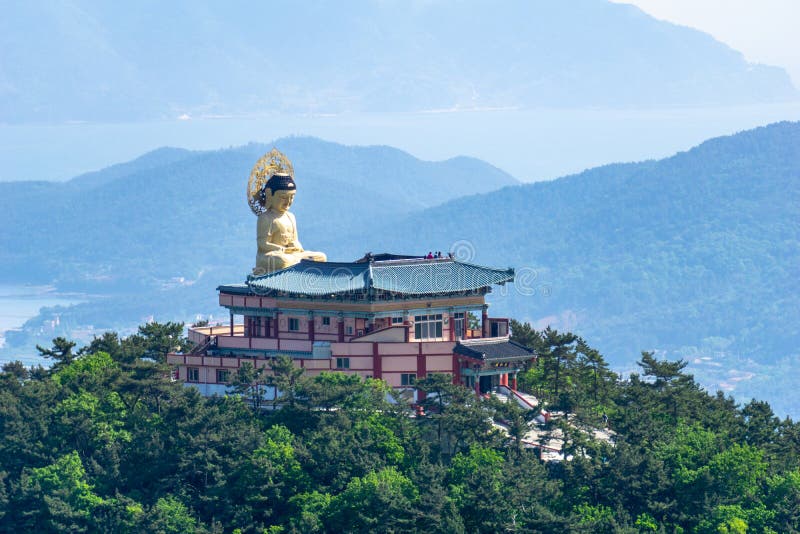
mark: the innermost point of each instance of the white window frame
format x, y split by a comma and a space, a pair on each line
425, 325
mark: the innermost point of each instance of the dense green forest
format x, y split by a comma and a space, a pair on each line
105, 441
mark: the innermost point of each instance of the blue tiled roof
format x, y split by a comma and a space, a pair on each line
412, 277
493, 349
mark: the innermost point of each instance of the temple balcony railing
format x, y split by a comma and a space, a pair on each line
473, 333
201, 334
225, 336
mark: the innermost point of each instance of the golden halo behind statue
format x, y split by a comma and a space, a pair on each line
273, 162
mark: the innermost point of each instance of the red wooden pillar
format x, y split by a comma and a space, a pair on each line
311, 328
504, 379
422, 370
422, 367
484, 323
231, 329
341, 329
377, 368
514, 382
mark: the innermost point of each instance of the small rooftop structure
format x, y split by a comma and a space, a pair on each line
493, 350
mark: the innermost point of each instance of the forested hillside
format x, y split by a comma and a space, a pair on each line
700, 247
104, 441
697, 254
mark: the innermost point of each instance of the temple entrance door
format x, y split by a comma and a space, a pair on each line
495, 330
486, 384
458, 325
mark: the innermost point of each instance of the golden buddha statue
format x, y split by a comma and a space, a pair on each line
271, 191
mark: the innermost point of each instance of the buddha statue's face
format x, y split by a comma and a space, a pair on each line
280, 201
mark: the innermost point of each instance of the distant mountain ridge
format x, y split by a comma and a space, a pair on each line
697, 254
151, 160
117, 223
102, 61
707, 233
654, 254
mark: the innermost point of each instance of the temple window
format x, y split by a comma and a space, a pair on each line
343, 363
326, 321
407, 379
397, 320
192, 374
223, 375
294, 324
428, 326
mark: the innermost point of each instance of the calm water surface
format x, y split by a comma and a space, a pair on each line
18, 303
531, 144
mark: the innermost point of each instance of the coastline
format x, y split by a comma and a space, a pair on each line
22, 302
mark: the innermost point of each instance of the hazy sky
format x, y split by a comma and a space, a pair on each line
765, 31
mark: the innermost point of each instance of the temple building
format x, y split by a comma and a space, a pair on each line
396, 318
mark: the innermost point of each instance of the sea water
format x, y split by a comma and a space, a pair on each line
18, 303
531, 144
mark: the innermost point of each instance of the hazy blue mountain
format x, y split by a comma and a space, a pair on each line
697, 254
702, 244
148, 162
702, 248
87, 60
173, 213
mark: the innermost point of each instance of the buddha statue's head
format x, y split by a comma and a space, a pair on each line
278, 193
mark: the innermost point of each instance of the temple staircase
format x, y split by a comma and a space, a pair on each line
201, 348
525, 401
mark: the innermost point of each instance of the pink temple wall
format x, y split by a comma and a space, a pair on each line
439, 363
406, 364
264, 343
234, 342
393, 349
351, 349
324, 365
